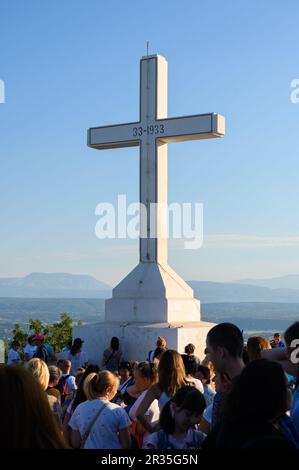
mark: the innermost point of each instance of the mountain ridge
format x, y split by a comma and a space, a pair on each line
65, 285
49, 285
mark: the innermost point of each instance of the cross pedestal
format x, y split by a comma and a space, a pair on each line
153, 299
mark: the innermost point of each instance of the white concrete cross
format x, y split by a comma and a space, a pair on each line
152, 133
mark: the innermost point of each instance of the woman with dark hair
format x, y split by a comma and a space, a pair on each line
112, 356
77, 357
258, 399
126, 379
190, 365
189, 350
177, 421
26, 418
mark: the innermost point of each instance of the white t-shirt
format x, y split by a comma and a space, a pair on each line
186, 443
104, 434
79, 360
70, 384
13, 357
30, 350
152, 415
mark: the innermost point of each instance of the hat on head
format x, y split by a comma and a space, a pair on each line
38, 337
78, 342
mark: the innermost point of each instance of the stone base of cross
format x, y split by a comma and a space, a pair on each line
137, 339
153, 292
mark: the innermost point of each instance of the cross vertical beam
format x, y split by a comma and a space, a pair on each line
153, 160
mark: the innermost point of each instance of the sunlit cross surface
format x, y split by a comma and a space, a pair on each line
152, 133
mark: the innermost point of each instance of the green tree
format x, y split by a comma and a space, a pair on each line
57, 335
60, 334
19, 334
36, 326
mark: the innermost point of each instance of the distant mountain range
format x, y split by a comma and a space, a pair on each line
286, 282
64, 285
212, 292
54, 285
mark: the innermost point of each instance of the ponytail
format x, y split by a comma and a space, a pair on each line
96, 385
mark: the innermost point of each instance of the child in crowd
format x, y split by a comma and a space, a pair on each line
13, 355
67, 382
55, 375
29, 349
178, 419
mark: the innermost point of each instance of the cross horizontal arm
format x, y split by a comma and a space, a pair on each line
110, 137
200, 126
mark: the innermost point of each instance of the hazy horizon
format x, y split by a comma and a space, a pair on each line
109, 285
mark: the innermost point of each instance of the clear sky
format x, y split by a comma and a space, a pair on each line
69, 65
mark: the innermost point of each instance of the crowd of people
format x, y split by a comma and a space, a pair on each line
240, 395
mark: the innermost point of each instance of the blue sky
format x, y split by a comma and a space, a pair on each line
71, 65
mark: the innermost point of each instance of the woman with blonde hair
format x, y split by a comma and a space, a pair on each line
171, 377
255, 345
26, 419
156, 353
39, 369
97, 423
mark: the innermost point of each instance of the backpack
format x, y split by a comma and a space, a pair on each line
136, 435
62, 387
